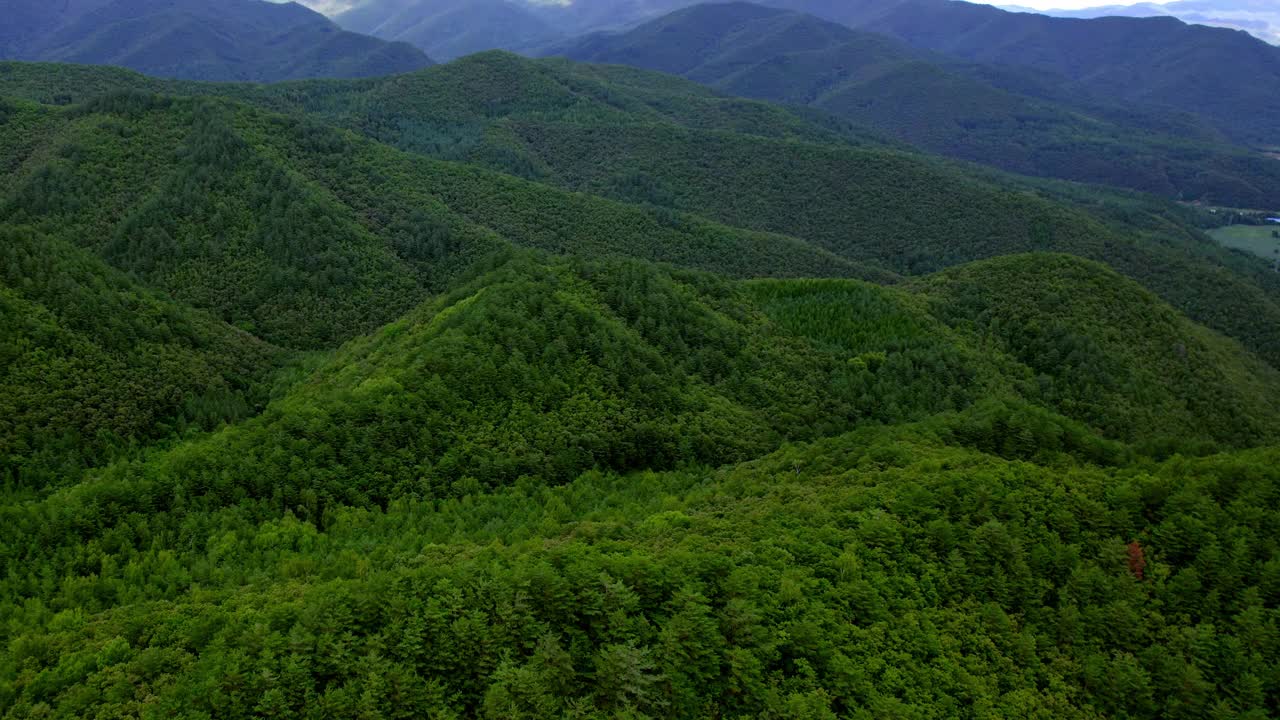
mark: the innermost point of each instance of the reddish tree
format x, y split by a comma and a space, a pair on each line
1137, 559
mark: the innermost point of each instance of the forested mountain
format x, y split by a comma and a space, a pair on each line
942, 105
247, 40
288, 227
1158, 64
1226, 76
1260, 18
447, 29
674, 146
409, 530
94, 364
515, 388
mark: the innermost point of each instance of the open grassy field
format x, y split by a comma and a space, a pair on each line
1257, 239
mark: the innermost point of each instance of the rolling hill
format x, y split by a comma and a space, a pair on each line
418, 504
545, 367
1076, 341
938, 104
515, 389
246, 40
676, 147
293, 230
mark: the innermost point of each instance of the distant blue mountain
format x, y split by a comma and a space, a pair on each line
246, 40
1260, 18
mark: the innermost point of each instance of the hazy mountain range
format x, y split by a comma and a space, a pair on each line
1229, 78
1260, 18
988, 114
196, 39
446, 29
1162, 64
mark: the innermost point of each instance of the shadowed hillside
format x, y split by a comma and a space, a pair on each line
1226, 76
246, 40
943, 105
448, 29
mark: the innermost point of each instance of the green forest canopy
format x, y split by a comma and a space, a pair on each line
641, 137
297, 424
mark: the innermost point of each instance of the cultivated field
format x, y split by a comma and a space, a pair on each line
1256, 239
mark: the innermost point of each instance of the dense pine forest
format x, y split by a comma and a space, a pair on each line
513, 388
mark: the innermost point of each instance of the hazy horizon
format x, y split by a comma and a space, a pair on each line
1065, 4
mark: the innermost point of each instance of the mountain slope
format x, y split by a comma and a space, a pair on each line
173, 193
410, 529
307, 235
931, 101
446, 29
1093, 338
516, 463
672, 145
1259, 18
195, 39
92, 365
1227, 76
30, 21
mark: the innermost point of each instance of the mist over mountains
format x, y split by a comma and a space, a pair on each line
1260, 18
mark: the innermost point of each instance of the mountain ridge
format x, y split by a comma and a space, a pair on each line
1259, 19
934, 102
677, 148
448, 29
245, 40
1227, 76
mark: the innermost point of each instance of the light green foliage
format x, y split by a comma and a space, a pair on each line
1260, 240
885, 336
875, 573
